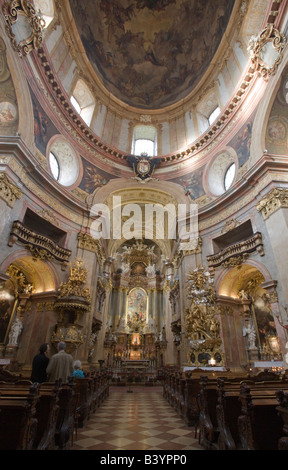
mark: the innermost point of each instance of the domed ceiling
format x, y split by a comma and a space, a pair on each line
151, 53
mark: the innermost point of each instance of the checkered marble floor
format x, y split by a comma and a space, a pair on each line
139, 420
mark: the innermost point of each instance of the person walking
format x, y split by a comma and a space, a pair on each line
60, 365
39, 364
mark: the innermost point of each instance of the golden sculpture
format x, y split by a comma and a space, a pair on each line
202, 327
73, 301
14, 9
74, 285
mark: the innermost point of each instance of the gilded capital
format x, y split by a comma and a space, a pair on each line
274, 200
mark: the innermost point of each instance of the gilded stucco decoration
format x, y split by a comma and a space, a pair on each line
9, 191
24, 26
74, 286
266, 51
72, 303
274, 200
202, 326
87, 242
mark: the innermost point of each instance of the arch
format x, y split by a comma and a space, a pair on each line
231, 280
41, 274
171, 190
167, 195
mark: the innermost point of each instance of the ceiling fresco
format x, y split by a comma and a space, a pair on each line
151, 53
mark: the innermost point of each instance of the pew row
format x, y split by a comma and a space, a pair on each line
55, 412
226, 415
18, 423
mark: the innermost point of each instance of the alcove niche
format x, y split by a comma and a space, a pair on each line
237, 234
41, 226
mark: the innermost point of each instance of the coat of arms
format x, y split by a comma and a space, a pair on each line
143, 166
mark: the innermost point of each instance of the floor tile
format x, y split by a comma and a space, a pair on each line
139, 420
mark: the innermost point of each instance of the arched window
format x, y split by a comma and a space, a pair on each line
46, 8
144, 140
83, 101
213, 115
229, 176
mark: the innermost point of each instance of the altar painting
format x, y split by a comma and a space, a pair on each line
7, 308
136, 308
264, 318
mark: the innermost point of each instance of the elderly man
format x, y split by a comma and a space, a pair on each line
60, 365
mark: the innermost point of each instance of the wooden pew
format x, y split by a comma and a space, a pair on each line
7, 376
83, 389
208, 426
18, 423
191, 410
282, 410
209, 430
67, 417
217, 428
47, 408
228, 409
259, 425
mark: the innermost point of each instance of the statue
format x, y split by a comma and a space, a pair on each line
150, 270
15, 331
163, 334
243, 295
125, 268
251, 333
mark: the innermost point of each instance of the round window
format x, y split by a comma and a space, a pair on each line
54, 166
220, 174
229, 176
63, 162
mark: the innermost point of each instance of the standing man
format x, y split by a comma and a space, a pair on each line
60, 365
40, 363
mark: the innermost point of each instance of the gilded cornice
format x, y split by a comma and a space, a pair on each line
274, 200
8, 191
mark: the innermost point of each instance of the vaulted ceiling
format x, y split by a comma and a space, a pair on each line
151, 53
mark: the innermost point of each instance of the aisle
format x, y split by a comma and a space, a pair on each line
141, 420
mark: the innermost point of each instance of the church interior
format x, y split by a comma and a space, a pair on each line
144, 212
